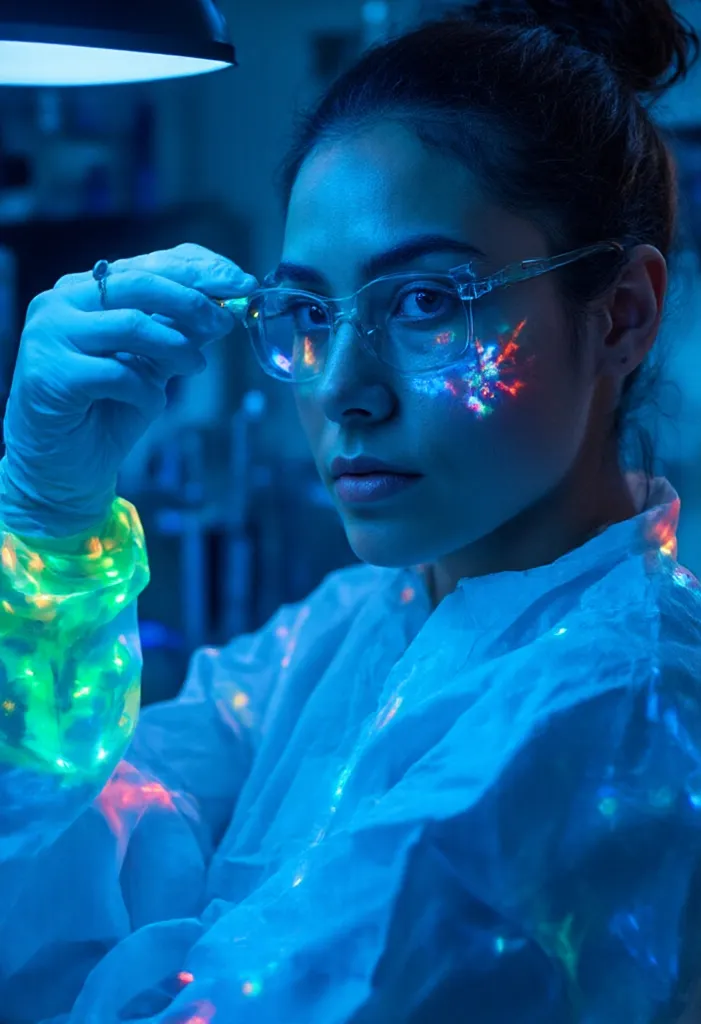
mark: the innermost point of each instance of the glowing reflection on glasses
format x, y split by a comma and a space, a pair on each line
281, 361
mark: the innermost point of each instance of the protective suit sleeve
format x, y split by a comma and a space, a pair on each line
70, 665
571, 891
106, 828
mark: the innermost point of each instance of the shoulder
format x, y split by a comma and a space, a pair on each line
633, 627
676, 595
594, 732
598, 693
618, 694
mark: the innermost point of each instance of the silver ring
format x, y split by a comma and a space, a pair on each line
100, 272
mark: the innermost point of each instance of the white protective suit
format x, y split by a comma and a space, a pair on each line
369, 812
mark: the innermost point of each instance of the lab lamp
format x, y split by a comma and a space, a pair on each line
104, 42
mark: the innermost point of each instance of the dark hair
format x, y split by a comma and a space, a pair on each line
547, 101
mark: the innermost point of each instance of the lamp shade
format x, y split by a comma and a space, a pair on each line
96, 42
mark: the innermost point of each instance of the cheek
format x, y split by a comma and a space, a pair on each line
496, 372
512, 406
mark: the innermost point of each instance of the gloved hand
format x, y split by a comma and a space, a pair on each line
88, 382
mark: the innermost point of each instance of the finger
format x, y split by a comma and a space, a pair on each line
192, 312
97, 379
132, 331
188, 264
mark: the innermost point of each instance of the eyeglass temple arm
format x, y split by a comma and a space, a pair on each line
239, 306
527, 269
513, 274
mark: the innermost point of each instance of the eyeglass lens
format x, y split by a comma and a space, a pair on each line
414, 326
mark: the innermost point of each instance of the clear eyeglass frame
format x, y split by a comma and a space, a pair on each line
468, 287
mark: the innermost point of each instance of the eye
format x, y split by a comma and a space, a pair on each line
307, 315
424, 303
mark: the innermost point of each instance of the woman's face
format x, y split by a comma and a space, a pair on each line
485, 438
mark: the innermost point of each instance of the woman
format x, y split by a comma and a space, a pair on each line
464, 792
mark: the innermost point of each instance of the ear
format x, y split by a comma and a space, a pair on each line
629, 317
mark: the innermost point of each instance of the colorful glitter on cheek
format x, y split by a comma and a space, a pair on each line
491, 375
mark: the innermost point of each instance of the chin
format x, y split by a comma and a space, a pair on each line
388, 545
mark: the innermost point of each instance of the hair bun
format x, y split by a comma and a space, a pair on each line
645, 41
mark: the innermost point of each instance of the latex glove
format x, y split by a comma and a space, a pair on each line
89, 382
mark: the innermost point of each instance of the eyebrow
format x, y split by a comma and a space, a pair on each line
386, 262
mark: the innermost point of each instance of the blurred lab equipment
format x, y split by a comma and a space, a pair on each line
8, 319
209, 513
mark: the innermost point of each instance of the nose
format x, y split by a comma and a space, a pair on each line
354, 383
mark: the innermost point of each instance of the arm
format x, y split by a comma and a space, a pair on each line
70, 665
91, 854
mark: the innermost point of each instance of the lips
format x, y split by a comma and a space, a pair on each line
365, 465
366, 479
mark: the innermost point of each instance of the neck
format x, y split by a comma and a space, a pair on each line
576, 510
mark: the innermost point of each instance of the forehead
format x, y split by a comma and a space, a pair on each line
367, 192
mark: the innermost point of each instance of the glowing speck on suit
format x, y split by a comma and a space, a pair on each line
343, 779
388, 712
559, 941
608, 806
693, 789
291, 637
683, 578
665, 535
240, 700
126, 797
203, 1012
